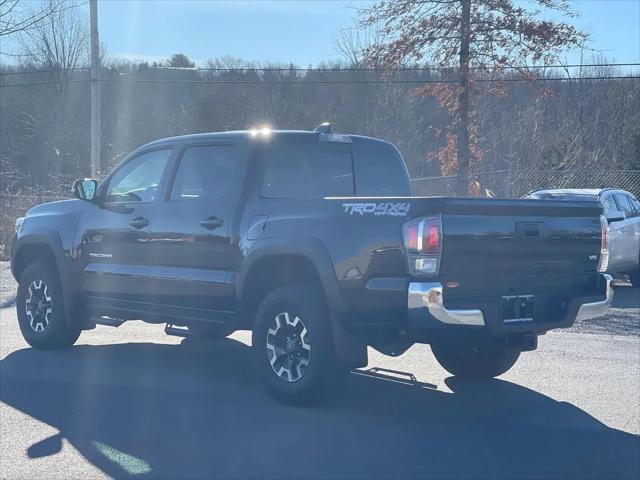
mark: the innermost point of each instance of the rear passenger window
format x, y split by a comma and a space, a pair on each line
302, 171
380, 170
609, 204
625, 203
203, 173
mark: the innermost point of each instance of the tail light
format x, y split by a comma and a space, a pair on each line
423, 243
603, 262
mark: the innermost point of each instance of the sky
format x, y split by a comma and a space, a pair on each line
298, 31
302, 32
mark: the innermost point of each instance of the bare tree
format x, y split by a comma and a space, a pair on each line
471, 39
61, 43
19, 15
353, 44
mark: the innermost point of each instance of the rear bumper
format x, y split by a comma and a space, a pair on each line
598, 308
425, 301
426, 310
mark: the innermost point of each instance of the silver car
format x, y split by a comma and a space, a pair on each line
622, 210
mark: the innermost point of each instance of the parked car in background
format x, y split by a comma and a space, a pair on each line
622, 211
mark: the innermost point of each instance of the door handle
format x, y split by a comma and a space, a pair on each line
139, 222
211, 223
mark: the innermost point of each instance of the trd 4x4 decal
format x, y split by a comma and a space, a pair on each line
393, 209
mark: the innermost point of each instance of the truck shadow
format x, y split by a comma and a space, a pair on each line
193, 411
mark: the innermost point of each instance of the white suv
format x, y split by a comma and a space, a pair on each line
622, 210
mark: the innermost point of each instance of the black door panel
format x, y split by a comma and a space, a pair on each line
114, 231
192, 257
114, 255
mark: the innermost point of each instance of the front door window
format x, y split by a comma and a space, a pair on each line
139, 179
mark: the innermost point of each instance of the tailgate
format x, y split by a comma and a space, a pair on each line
520, 246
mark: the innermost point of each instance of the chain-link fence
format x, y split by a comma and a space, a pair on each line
515, 184
501, 184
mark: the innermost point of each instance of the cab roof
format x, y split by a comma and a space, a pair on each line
251, 135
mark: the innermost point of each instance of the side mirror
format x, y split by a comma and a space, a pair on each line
615, 216
84, 189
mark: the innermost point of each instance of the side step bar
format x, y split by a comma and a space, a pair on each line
176, 331
108, 321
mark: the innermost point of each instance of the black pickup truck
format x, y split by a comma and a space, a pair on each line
314, 241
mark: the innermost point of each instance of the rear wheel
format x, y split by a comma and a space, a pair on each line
293, 344
40, 308
476, 360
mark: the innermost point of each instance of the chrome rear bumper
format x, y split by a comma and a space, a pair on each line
427, 298
597, 309
425, 301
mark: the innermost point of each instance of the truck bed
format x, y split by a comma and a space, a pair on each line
491, 248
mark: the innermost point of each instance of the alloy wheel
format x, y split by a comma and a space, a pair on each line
288, 347
38, 306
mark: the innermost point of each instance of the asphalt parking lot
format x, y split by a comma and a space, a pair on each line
133, 402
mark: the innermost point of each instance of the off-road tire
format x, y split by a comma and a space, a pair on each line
476, 361
49, 331
305, 308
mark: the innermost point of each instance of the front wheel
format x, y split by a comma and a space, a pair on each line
476, 361
40, 309
293, 344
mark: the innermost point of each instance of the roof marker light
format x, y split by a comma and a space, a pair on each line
263, 131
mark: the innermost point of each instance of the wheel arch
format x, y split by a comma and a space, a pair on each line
42, 244
275, 261
311, 262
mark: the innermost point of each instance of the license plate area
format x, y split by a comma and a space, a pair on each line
517, 309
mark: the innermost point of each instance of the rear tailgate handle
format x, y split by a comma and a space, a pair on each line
530, 229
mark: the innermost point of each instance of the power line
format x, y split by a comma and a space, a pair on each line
314, 82
54, 82
333, 69
51, 70
399, 69
555, 79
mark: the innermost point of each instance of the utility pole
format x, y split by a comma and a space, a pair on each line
464, 154
95, 89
